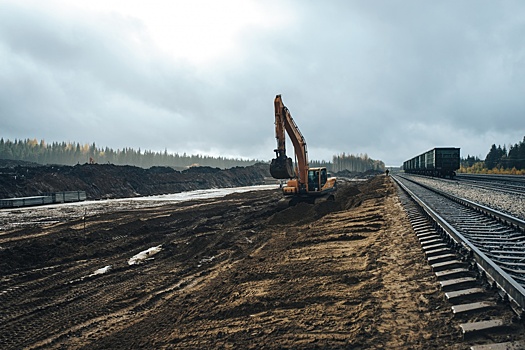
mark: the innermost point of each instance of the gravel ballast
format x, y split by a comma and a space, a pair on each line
512, 204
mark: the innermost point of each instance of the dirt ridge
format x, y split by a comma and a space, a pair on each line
101, 181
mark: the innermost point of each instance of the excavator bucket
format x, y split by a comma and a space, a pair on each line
282, 168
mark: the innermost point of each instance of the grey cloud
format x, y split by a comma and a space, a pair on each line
385, 78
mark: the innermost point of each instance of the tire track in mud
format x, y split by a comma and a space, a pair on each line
322, 284
44, 308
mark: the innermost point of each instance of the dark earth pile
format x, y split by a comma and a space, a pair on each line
357, 174
112, 181
348, 196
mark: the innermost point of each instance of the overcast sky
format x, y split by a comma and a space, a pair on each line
388, 78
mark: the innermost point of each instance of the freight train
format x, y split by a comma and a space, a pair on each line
48, 198
438, 162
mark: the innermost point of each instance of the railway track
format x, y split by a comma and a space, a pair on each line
508, 184
478, 255
519, 179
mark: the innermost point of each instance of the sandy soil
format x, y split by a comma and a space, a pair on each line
232, 273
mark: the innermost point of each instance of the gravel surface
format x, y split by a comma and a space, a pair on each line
512, 204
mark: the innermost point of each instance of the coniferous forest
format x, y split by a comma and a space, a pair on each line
70, 153
499, 160
350, 162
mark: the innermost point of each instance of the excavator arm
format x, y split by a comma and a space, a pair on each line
282, 166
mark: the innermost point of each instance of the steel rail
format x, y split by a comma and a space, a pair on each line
512, 288
492, 213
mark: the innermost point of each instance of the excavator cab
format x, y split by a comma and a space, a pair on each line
317, 178
318, 187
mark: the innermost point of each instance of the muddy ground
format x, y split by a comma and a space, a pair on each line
233, 273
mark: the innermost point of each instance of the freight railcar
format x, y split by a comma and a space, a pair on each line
48, 198
438, 162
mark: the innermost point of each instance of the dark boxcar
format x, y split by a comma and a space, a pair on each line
446, 161
422, 163
439, 162
25, 201
69, 196
48, 198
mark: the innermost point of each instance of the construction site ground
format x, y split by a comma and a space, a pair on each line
233, 272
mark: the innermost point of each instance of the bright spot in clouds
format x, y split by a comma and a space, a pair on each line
198, 31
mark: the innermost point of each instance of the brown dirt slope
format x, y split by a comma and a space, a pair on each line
233, 273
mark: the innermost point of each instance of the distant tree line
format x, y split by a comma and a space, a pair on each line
350, 162
470, 161
499, 160
68, 153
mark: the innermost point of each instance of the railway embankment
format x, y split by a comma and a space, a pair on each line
101, 181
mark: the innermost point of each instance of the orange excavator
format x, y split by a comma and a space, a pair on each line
304, 184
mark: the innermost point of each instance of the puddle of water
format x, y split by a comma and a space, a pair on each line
202, 194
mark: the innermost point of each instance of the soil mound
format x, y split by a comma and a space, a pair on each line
358, 174
348, 195
300, 213
112, 181
374, 188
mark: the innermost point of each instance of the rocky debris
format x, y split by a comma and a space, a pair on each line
102, 181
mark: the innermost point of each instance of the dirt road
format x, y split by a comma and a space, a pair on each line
231, 273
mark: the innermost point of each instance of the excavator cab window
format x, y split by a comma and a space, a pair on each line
313, 180
324, 177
